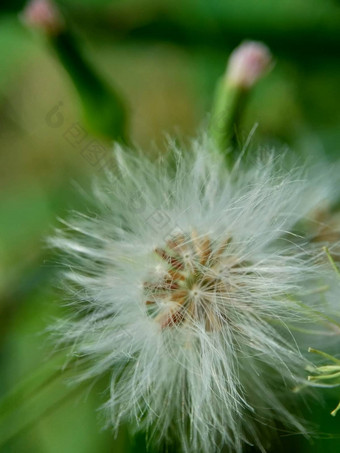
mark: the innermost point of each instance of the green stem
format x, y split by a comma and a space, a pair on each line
324, 377
104, 112
227, 106
325, 355
334, 412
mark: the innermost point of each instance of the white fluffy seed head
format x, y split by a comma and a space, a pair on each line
185, 285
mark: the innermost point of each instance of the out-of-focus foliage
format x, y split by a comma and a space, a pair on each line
164, 57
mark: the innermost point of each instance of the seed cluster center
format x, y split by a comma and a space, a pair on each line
191, 285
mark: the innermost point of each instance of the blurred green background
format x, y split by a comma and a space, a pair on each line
164, 56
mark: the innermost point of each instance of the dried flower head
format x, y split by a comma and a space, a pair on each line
185, 285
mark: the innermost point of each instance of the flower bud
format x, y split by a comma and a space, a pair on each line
43, 15
248, 63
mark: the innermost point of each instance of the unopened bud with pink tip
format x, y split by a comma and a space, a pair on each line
248, 63
44, 15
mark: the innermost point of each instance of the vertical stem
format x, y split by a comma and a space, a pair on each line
225, 114
103, 109
246, 65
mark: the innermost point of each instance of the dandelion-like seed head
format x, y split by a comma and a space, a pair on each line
185, 286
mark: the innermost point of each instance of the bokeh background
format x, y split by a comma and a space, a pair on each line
164, 56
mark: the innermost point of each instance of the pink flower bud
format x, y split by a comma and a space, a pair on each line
44, 15
248, 63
